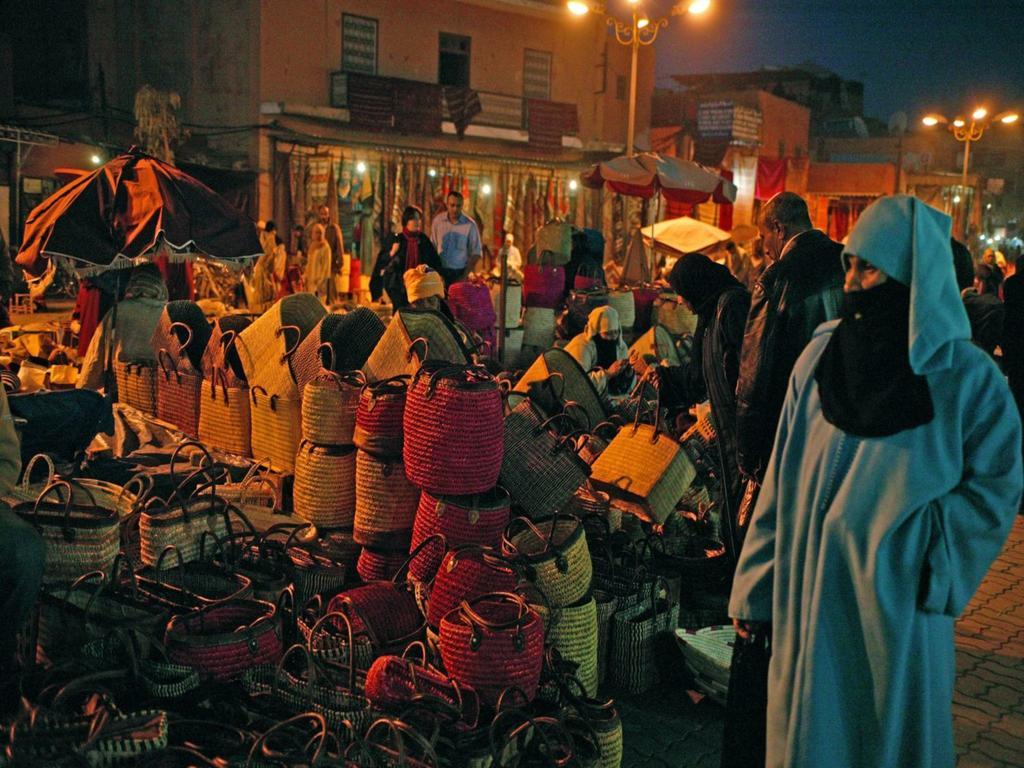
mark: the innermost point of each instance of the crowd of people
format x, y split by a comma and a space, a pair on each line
869, 447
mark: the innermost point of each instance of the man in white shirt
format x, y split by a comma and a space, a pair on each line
457, 240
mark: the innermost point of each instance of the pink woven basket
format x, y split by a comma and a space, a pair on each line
478, 519
465, 573
379, 417
454, 429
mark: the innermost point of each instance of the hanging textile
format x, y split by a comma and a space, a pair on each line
725, 210
371, 102
744, 169
771, 177
417, 107
463, 106
797, 169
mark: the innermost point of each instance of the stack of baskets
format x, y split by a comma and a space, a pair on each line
224, 418
179, 343
325, 464
275, 404
385, 500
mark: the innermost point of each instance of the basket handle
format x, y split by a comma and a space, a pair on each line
50, 467
261, 748
288, 352
412, 348
158, 567
416, 550
476, 621
160, 355
252, 392
215, 374
66, 530
399, 731
575, 405
327, 349
311, 671
350, 636
207, 461
189, 337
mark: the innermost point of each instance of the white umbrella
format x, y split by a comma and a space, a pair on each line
683, 235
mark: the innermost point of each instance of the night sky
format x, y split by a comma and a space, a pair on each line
912, 55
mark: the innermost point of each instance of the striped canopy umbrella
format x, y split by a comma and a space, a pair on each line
681, 181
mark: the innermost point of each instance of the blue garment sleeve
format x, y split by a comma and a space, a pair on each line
474, 247
753, 585
970, 524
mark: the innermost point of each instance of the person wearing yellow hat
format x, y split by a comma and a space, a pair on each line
424, 287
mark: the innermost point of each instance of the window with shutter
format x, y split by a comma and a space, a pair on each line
536, 74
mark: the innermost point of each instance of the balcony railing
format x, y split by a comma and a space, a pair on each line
498, 110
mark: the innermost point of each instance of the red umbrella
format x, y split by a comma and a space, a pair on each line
121, 213
681, 181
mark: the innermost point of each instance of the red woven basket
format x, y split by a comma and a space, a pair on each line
454, 429
393, 682
543, 286
177, 394
379, 564
492, 643
223, 640
470, 302
478, 519
384, 610
465, 573
379, 417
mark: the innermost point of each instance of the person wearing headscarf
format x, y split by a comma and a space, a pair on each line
721, 304
600, 351
892, 486
137, 317
424, 287
317, 277
406, 250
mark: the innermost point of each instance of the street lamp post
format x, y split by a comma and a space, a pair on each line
968, 132
640, 31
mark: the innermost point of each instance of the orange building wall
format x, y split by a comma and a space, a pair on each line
785, 125
838, 179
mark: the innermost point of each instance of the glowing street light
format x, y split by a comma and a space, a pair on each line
96, 159
968, 133
360, 167
642, 30
485, 189
573, 185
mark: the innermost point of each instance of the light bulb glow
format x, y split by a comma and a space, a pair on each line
96, 159
956, 199
360, 167
577, 8
1013, 117
930, 120
698, 7
642, 22
432, 172
573, 185
485, 189
959, 122
979, 114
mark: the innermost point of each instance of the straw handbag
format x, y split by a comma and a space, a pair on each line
339, 343
393, 356
493, 642
183, 332
554, 555
225, 418
538, 327
265, 346
643, 301
573, 632
543, 286
329, 404
177, 394
513, 300
635, 639
223, 640
79, 537
395, 682
379, 417
136, 385
221, 353
575, 385
554, 241
540, 470
470, 303
453, 430
325, 484
467, 572
181, 524
624, 303
379, 564
478, 519
276, 427
385, 503
644, 469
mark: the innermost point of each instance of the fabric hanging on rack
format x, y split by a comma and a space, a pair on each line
771, 177
371, 102
511, 201
398, 197
463, 106
710, 152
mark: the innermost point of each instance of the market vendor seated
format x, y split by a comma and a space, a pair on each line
22, 558
137, 317
601, 352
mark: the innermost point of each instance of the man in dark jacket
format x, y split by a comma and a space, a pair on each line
800, 290
984, 307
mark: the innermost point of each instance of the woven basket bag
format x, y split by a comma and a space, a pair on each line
184, 333
265, 346
79, 537
624, 303
223, 640
470, 303
539, 469
386, 503
276, 428
453, 430
607, 604
182, 525
325, 484
394, 682
327, 635
379, 564
543, 285
392, 356
491, 643
329, 404
634, 641
554, 555
225, 416
513, 300
465, 573
478, 519
669, 312
538, 327
574, 385
339, 343
379, 417
136, 385
177, 394
221, 353
573, 631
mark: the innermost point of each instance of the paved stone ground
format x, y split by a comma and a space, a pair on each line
664, 728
